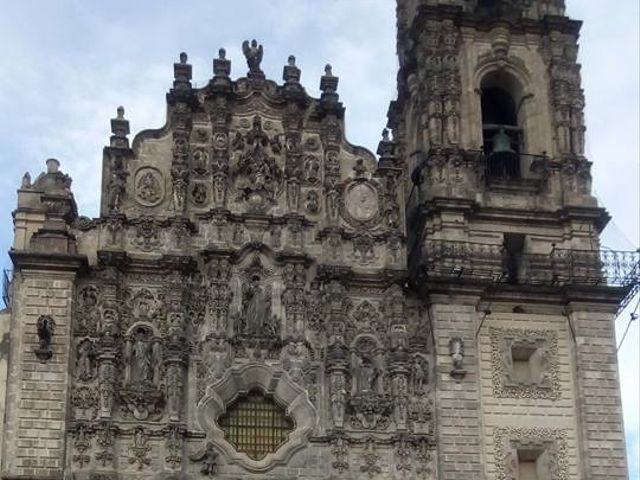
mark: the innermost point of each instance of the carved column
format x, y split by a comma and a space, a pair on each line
337, 367
567, 97
337, 360
294, 298
107, 342
180, 119
399, 358
220, 115
219, 296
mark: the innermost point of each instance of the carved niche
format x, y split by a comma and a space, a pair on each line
525, 363
141, 394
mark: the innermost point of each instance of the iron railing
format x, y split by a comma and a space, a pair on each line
6, 287
484, 262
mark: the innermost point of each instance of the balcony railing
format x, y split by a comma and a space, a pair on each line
6, 287
482, 262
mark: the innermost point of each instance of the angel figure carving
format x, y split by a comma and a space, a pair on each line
253, 53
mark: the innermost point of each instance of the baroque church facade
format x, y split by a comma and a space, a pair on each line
259, 298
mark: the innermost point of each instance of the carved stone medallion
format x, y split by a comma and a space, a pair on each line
149, 186
361, 202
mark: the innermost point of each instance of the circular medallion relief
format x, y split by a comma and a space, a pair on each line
361, 202
149, 186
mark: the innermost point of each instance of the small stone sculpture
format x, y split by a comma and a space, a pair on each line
45, 327
208, 458
456, 352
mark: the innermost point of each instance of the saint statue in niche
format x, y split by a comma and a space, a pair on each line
367, 375
256, 318
143, 358
141, 364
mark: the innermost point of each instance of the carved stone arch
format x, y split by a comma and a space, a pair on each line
155, 333
511, 71
240, 381
511, 65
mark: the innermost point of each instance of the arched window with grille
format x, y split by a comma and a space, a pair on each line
256, 425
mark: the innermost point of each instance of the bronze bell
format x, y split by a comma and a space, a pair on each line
501, 142
503, 161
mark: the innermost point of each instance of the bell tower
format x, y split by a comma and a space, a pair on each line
503, 240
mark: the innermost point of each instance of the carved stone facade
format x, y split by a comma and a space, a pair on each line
261, 299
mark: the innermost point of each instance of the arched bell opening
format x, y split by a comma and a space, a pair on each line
502, 132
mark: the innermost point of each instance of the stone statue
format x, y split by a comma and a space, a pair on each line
255, 308
84, 362
156, 353
338, 400
117, 186
45, 331
179, 176
45, 327
253, 54
418, 376
367, 375
141, 361
456, 351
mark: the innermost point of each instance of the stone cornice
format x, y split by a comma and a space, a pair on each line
27, 260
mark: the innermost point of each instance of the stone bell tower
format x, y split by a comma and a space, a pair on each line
503, 240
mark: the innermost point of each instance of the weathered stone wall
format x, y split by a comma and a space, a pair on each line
5, 318
541, 411
458, 408
37, 391
597, 384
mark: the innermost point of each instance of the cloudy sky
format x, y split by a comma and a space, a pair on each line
69, 64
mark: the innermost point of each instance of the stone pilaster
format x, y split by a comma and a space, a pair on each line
598, 392
38, 388
458, 408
